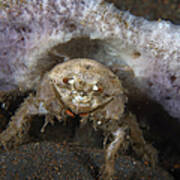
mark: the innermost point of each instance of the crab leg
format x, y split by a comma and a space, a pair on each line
111, 152
20, 123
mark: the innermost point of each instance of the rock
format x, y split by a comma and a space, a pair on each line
47, 160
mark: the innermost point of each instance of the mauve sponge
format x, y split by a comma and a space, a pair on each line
29, 30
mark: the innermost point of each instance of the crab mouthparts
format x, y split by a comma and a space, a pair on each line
71, 114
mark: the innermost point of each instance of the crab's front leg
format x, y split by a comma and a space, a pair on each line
20, 123
44, 103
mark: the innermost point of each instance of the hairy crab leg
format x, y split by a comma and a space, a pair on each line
142, 149
20, 123
111, 151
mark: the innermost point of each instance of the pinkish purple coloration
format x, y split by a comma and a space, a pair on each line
29, 30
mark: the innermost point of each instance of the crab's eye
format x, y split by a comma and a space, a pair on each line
65, 80
68, 80
100, 89
97, 88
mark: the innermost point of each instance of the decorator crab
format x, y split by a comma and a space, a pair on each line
88, 89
